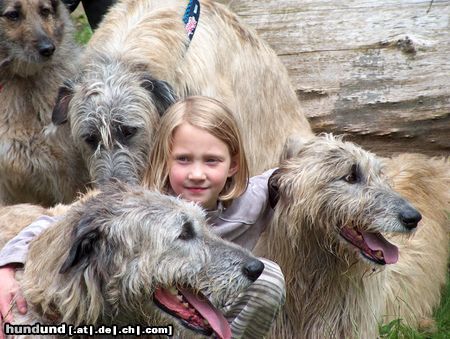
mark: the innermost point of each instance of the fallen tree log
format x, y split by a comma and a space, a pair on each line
376, 70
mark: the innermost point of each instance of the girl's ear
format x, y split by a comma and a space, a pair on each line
234, 166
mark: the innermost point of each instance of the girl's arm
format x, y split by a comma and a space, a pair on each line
247, 217
9, 294
15, 251
14, 255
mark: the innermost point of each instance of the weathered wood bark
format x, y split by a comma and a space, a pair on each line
377, 70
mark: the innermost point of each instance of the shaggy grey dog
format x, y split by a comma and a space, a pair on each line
347, 242
129, 256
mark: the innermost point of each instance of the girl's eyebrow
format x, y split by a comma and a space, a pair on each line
178, 155
180, 152
204, 156
215, 156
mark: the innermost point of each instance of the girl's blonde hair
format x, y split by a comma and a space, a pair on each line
213, 117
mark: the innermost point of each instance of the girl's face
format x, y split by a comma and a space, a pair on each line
199, 165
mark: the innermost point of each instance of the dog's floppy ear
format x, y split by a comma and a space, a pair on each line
61, 109
272, 185
163, 93
84, 245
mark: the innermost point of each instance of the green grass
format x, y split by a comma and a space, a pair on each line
442, 314
83, 30
396, 329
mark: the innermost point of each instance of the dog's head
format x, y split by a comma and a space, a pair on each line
31, 31
140, 257
334, 193
113, 110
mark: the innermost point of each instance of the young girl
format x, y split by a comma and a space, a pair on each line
198, 155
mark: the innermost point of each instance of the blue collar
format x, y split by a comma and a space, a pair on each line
190, 17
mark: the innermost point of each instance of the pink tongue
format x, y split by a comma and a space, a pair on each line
376, 242
215, 318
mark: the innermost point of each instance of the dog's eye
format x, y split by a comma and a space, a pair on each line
12, 15
352, 177
45, 12
92, 140
187, 231
128, 131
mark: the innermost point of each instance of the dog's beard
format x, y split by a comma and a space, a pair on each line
25, 63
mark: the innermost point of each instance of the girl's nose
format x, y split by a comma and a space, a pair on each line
196, 173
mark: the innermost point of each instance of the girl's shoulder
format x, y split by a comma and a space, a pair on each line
252, 204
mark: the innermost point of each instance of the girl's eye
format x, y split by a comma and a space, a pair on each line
214, 160
182, 159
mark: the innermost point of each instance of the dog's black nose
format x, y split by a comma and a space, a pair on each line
409, 217
46, 48
253, 269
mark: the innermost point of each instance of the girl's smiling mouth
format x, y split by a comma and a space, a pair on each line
196, 189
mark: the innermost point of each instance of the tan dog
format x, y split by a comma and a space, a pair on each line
413, 283
37, 53
342, 275
129, 256
114, 104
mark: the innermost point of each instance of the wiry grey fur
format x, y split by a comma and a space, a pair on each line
332, 290
141, 51
37, 163
102, 262
113, 115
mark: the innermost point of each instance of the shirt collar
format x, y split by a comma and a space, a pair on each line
212, 214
